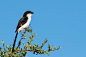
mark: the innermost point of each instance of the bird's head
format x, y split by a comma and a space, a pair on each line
28, 14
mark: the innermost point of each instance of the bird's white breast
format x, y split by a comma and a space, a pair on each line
25, 25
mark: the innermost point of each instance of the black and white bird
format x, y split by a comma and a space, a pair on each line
23, 24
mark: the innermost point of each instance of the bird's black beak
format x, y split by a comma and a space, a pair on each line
32, 12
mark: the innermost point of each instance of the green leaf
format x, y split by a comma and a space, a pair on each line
31, 30
47, 52
30, 37
0, 48
3, 44
59, 47
52, 48
28, 43
1, 53
7, 46
19, 43
6, 50
33, 35
38, 48
31, 47
26, 51
29, 40
25, 37
46, 41
20, 48
36, 44
27, 34
55, 47
28, 31
42, 44
2, 41
41, 51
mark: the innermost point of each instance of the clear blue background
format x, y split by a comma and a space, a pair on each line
62, 22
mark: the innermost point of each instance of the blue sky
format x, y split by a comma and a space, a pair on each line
62, 22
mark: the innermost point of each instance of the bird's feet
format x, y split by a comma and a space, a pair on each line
25, 30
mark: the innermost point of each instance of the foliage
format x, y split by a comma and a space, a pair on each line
19, 52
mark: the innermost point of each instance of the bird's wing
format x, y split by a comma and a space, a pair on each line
21, 22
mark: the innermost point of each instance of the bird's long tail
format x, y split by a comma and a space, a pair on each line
14, 42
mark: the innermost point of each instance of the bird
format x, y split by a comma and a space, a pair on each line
22, 24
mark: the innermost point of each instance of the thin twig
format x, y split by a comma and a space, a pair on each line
11, 43
20, 41
43, 44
